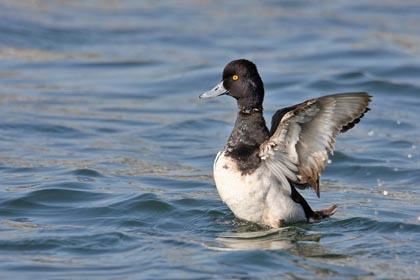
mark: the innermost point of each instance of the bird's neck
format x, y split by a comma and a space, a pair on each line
250, 109
250, 129
251, 103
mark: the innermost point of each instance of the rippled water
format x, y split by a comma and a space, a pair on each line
106, 152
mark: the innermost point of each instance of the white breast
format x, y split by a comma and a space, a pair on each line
257, 197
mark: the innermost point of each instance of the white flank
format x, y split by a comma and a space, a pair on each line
257, 197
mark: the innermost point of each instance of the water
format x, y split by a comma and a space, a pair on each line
106, 152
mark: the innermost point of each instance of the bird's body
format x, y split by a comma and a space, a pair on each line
257, 197
258, 171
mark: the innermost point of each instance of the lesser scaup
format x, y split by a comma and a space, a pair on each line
258, 172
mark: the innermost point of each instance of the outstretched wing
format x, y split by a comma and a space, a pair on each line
302, 136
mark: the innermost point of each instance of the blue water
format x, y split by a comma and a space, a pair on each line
106, 152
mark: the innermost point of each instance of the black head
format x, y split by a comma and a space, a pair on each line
241, 81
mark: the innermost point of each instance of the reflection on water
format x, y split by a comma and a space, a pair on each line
263, 240
292, 239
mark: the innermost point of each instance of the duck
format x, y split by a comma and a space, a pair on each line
259, 171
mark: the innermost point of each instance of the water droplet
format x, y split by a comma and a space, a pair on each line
396, 169
379, 182
419, 218
329, 161
413, 147
371, 133
376, 212
409, 155
398, 122
367, 173
385, 192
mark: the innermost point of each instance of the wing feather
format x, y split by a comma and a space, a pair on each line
302, 137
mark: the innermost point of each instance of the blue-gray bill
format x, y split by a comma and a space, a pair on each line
219, 89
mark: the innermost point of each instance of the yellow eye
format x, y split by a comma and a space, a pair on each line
235, 77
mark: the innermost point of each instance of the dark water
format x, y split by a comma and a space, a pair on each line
106, 152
